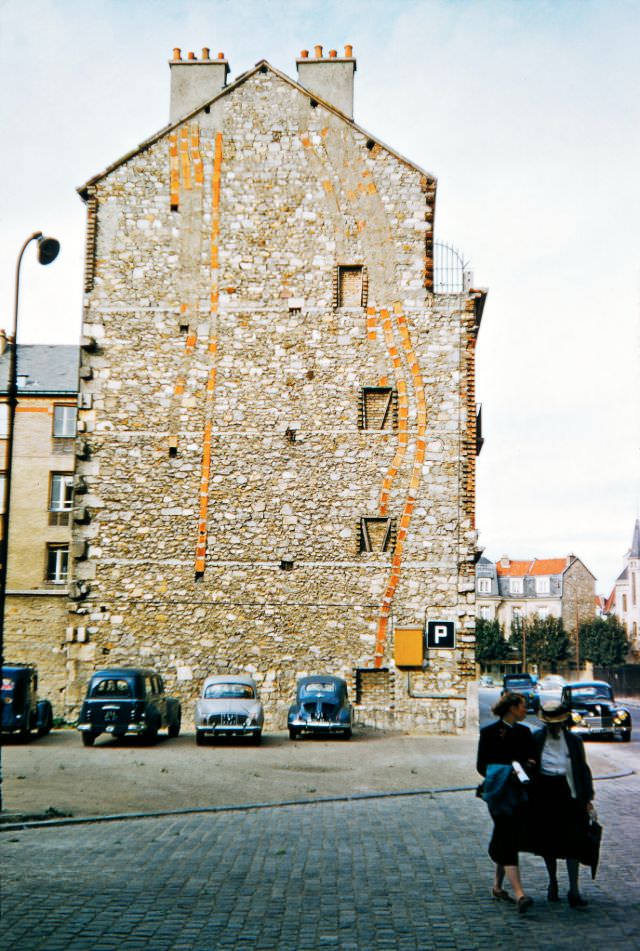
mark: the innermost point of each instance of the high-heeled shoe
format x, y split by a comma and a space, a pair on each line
499, 894
524, 903
576, 900
552, 892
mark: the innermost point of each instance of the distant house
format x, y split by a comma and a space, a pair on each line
625, 597
41, 506
513, 591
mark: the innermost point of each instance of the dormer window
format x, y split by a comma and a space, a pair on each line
484, 585
516, 586
542, 586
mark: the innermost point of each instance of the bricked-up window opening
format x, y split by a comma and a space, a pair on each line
378, 408
351, 289
373, 686
57, 564
174, 207
64, 421
377, 534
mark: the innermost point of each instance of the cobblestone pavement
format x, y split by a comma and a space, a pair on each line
396, 873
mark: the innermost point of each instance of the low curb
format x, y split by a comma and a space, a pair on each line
9, 825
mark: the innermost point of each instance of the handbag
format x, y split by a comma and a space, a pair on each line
590, 851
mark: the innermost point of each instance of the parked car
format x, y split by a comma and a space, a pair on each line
552, 683
229, 706
486, 680
122, 700
526, 685
594, 711
22, 712
321, 706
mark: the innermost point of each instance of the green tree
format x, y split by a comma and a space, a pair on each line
604, 641
547, 641
490, 641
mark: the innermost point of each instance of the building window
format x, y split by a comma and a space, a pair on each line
624, 604
351, 289
57, 563
633, 589
61, 493
543, 612
484, 585
4, 420
64, 421
485, 612
378, 408
542, 586
377, 534
516, 586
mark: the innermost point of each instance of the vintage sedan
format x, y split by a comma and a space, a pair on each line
127, 700
526, 685
229, 706
20, 710
322, 706
594, 711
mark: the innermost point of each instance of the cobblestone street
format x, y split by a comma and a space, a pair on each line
395, 873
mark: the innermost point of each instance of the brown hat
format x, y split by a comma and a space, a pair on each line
554, 712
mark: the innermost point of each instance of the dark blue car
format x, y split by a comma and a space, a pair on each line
131, 700
322, 707
21, 711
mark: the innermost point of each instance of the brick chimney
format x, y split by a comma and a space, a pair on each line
330, 77
194, 81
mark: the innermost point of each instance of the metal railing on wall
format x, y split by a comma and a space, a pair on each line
451, 273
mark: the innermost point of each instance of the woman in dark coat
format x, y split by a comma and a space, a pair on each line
504, 742
562, 799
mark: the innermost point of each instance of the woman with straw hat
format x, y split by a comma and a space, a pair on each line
562, 799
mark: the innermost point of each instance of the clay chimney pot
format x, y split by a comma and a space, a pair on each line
177, 53
332, 54
191, 55
304, 54
348, 51
205, 52
318, 50
220, 55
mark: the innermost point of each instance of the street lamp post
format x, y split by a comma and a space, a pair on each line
48, 249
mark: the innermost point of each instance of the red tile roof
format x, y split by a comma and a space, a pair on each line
536, 566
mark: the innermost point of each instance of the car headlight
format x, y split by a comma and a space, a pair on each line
576, 718
621, 716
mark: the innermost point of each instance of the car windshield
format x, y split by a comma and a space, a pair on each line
591, 692
513, 683
229, 691
318, 688
111, 687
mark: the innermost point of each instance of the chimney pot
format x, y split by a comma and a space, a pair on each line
330, 78
332, 54
348, 51
318, 50
177, 53
304, 54
205, 52
191, 88
220, 55
191, 55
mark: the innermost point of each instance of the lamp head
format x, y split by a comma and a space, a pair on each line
48, 249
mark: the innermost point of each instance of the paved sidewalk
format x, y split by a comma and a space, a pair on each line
401, 873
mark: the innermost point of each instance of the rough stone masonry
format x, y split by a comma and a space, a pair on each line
277, 442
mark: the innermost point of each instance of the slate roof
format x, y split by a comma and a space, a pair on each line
635, 544
43, 369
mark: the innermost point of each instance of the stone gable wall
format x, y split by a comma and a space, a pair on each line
222, 439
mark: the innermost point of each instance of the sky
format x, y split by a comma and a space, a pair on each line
528, 113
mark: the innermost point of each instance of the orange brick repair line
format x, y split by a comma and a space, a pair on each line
414, 484
401, 386
174, 171
185, 158
201, 544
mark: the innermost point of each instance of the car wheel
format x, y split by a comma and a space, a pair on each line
48, 723
88, 739
174, 728
256, 739
293, 733
626, 737
200, 738
150, 735
348, 733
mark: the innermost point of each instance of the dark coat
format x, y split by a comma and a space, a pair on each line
581, 772
500, 743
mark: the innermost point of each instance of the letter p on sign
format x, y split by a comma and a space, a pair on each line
441, 634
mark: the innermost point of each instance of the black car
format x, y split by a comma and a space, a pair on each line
526, 685
123, 700
21, 711
594, 711
322, 706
